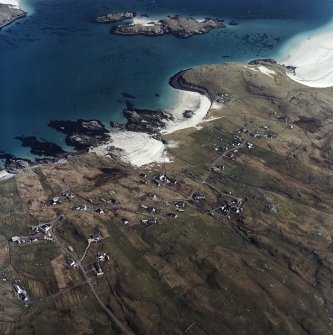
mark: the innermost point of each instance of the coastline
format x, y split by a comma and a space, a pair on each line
14, 3
135, 148
15, 11
187, 100
4, 175
18, 4
139, 148
312, 55
196, 98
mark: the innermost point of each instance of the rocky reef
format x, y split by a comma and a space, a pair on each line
13, 164
174, 25
41, 148
115, 17
9, 14
82, 134
146, 121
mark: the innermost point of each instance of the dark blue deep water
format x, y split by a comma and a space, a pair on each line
58, 64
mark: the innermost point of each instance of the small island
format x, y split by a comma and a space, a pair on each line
174, 25
115, 17
9, 14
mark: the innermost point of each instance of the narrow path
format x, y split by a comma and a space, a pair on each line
88, 280
222, 193
85, 251
101, 303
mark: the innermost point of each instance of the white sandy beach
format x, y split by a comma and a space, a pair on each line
15, 3
145, 21
138, 148
5, 175
20, 4
141, 149
198, 103
313, 58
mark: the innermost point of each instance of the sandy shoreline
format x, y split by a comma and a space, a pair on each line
136, 148
196, 102
313, 58
140, 149
145, 21
14, 3
5, 175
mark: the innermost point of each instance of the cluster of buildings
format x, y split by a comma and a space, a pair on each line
25, 240
95, 237
163, 180
149, 221
42, 232
159, 180
102, 256
234, 207
81, 207
180, 206
198, 196
151, 210
57, 200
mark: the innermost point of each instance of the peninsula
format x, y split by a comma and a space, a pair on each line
9, 14
174, 25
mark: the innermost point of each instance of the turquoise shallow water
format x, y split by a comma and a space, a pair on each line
58, 64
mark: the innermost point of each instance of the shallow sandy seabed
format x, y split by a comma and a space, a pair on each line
313, 58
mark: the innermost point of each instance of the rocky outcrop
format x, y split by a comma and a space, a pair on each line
13, 164
151, 29
263, 61
187, 27
146, 121
41, 148
115, 17
82, 134
9, 14
175, 25
188, 114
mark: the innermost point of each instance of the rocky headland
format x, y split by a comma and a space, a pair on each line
9, 14
179, 82
174, 25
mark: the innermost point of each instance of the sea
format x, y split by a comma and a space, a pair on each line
58, 64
